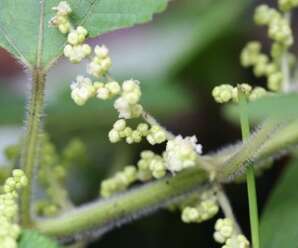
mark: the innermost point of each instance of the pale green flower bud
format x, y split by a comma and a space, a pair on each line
81, 90
287, 5
261, 65
119, 125
113, 87
181, 153
63, 8
264, 15
257, 93
103, 93
277, 50
114, 136
190, 215
275, 81
237, 241
224, 229
101, 51
156, 135
250, 53
223, 93
280, 31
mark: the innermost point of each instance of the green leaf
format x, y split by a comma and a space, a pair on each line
278, 106
25, 33
280, 219
33, 239
180, 35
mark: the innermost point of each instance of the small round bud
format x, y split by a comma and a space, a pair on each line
189, 215
113, 87
119, 125
101, 51
114, 136
103, 93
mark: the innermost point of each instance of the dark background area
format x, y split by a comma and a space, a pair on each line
179, 58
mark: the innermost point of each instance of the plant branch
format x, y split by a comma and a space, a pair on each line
104, 215
30, 144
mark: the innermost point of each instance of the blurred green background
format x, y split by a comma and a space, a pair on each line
179, 58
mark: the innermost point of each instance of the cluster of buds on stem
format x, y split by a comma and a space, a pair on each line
119, 182
225, 93
280, 32
181, 153
226, 234
205, 208
9, 208
151, 165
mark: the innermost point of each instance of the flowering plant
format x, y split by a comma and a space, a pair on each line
180, 177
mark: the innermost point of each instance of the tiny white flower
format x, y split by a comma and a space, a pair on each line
63, 8
103, 93
101, 51
82, 90
181, 153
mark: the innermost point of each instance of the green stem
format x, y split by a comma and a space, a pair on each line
103, 215
31, 139
250, 176
226, 207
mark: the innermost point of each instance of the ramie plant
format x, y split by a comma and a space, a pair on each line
180, 178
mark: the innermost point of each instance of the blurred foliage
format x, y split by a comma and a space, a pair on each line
33, 239
276, 106
279, 221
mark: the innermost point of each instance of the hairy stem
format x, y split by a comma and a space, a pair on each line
250, 176
104, 215
30, 145
101, 216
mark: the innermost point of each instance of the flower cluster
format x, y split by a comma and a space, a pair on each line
201, 210
279, 29
107, 91
119, 182
151, 165
181, 153
52, 173
81, 90
225, 93
226, 234
280, 32
129, 93
8, 209
100, 63
287, 5
121, 130
251, 56
127, 104
61, 20
76, 49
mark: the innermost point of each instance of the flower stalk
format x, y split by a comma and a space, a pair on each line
250, 175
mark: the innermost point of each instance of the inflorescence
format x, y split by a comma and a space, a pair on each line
277, 66
180, 152
9, 229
